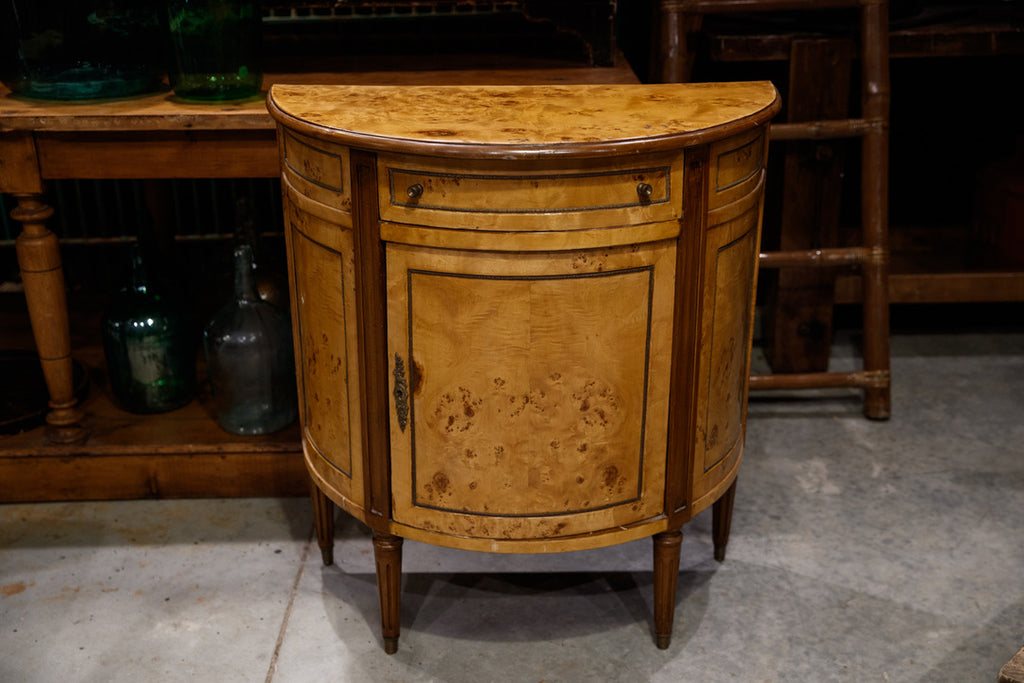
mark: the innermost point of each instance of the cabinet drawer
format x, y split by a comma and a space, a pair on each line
488, 196
737, 166
317, 169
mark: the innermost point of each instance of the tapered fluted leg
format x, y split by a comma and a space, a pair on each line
387, 551
43, 277
721, 521
666, 576
323, 522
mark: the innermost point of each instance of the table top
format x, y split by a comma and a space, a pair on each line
507, 121
163, 111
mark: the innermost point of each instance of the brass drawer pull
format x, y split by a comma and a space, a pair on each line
645, 190
415, 191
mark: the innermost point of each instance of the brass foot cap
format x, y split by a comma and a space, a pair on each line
390, 645
662, 640
327, 554
720, 553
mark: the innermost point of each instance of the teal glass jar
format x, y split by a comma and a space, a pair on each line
80, 49
149, 344
215, 48
250, 359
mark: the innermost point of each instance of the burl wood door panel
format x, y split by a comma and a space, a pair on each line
537, 389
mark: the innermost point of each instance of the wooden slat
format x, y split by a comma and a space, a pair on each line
822, 130
820, 380
934, 288
734, 6
958, 40
840, 256
940, 40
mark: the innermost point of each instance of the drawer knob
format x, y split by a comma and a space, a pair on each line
645, 190
415, 191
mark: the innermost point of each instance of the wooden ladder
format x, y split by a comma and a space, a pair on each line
678, 20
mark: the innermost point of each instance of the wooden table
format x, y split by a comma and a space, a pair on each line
523, 315
95, 451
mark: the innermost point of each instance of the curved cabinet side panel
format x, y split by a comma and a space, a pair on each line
725, 338
324, 302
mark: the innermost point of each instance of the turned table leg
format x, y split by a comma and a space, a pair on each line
323, 522
666, 577
41, 272
721, 521
387, 551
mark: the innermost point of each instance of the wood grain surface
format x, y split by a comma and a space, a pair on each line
474, 121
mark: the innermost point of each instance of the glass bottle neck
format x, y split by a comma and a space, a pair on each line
245, 278
140, 281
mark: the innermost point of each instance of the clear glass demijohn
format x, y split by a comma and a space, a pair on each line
249, 357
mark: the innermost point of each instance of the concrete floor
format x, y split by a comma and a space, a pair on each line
860, 551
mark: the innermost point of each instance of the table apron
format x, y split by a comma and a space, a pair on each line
158, 154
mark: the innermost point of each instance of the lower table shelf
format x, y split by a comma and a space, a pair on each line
180, 454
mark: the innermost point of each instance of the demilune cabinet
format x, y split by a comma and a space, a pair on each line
523, 314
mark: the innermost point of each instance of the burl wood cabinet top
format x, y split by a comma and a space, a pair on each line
523, 121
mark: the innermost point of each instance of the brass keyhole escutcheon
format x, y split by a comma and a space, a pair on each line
645, 191
401, 393
415, 191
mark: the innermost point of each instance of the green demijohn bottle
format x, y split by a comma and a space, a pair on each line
215, 49
148, 343
81, 49
250, 358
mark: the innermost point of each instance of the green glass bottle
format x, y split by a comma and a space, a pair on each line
216, 49
80, 49
149, 344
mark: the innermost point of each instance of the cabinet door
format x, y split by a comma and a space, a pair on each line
530, 390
